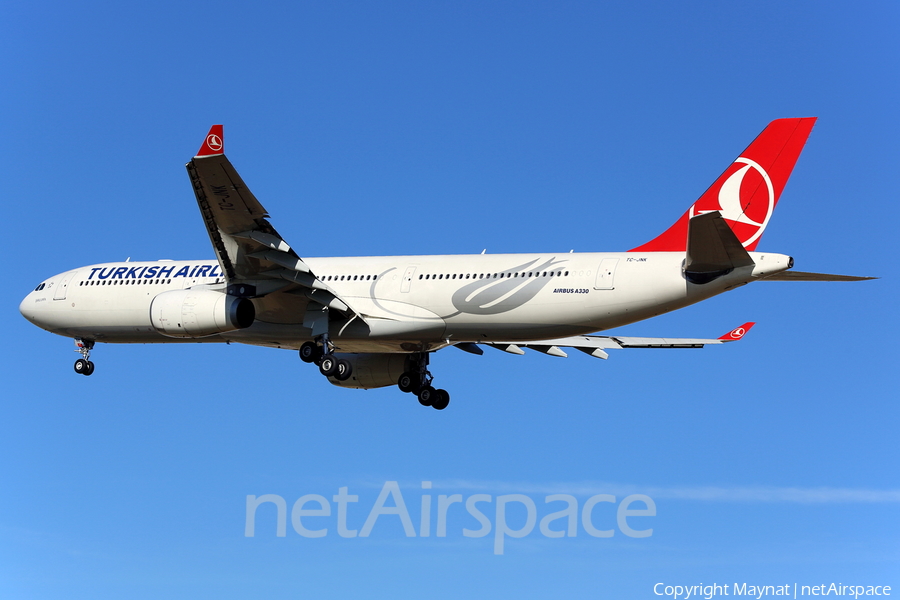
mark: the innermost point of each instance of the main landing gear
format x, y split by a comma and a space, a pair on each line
83, 365
418, 381
321, 353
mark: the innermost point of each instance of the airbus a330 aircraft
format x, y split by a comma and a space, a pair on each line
374, 321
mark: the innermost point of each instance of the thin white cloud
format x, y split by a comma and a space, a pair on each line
798, 495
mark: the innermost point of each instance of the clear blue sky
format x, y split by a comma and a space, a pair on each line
451, 127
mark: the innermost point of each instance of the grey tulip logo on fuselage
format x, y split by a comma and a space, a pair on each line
511, 289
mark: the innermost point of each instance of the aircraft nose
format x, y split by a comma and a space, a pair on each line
26, 307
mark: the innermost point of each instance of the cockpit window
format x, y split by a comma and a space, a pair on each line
40, 287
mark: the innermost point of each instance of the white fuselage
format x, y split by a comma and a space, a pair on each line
406, 303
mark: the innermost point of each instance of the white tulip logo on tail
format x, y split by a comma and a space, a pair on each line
748, 217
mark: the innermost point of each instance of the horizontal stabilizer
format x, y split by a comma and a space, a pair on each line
712, 249
801, 276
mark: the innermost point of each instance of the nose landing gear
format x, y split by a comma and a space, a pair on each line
83, 365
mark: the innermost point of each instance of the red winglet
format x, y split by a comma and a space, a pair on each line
737, 333
214, 143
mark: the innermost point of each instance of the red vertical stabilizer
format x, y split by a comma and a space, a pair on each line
747, 192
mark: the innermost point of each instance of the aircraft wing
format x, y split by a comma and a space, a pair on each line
253, 256
597, 345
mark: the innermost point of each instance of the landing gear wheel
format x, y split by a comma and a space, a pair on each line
309, 352
344, 370
441, 399
84, 366
407, 382
427, 395
328, 366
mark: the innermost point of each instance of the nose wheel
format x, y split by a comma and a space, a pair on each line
83, 365
418, 381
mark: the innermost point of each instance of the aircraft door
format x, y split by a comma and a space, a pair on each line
60, 292
605, 274
407, 279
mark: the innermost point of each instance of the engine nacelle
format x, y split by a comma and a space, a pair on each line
373, 370
199, 313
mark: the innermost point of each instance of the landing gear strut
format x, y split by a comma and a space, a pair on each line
321, 353
83, 365
418, 381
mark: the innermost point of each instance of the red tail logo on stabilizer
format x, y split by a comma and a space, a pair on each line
747, 192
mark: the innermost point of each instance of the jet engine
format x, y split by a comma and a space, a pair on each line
373, 370
199, 313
